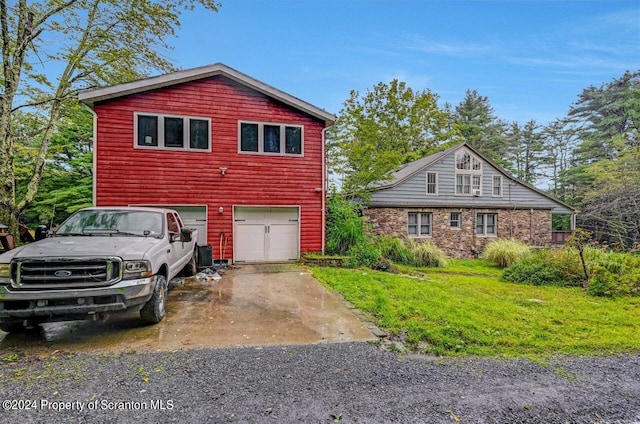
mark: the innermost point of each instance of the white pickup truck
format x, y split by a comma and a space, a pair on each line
99, 261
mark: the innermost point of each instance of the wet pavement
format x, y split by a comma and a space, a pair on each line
252, 305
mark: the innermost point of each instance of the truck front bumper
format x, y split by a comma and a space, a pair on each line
72, 304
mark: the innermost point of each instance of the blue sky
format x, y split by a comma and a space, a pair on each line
531, 58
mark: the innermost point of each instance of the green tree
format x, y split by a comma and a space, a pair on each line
67, 180
478, 125
609, 117
610, 210
559, 139
605, 174
375, 133
525, 150
84, 44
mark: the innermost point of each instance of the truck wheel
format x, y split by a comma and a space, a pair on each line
191, 268
16, 327
154, 310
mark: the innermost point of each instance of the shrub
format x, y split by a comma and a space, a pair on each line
547, 267
362, 254
505, 252
394, 249
613, 273
602, 282
427, 254
345, 226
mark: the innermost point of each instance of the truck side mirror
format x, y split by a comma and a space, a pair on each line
185, 235
41, 232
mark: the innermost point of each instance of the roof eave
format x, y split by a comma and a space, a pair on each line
90, 97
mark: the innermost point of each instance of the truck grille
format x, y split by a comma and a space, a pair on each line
56, 273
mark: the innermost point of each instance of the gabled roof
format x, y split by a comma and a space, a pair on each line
412, 168
90, 97
408, 170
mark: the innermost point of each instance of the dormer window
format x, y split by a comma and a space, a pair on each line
468, 174
466, 161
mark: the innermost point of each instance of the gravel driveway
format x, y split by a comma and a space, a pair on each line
349, 382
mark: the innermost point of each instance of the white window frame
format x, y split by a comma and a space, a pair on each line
186, 133
283, 145
458, 221
471, 170
435, 193
484, 224
499, 186
419, 224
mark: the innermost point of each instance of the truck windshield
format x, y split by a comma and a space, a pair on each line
112, 222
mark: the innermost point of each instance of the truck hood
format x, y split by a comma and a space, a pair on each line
87, 246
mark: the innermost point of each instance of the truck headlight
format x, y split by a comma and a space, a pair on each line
137, 269
5, 273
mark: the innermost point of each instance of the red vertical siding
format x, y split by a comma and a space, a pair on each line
126, 175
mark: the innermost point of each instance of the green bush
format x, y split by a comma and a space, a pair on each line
427, 254
345, 226
613, 273
602, 282
363, 254
505, 252
610, 273
553, 267
394, 249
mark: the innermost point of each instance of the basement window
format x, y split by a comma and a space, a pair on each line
155, 131
454, 220
486, 224
419, 224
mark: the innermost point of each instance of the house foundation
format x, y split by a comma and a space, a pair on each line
531, 226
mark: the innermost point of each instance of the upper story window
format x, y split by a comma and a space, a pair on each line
468, 174
466, 161
271, 139
432, 183
497, 186
156, 131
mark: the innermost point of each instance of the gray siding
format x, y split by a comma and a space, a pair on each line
412, 191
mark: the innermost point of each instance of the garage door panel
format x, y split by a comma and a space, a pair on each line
251, 214
283, 242
192, 217
250, 242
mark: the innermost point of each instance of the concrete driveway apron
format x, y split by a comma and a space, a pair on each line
252, 305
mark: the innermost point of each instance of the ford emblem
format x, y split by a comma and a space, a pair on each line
62, 273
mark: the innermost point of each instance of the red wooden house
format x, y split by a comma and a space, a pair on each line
240, 160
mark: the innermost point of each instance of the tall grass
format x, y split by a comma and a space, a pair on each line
409, 252
427, 254
394, 249
506, 252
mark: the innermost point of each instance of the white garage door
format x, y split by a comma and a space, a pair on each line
266, 234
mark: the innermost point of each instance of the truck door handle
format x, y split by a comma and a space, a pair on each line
168, 250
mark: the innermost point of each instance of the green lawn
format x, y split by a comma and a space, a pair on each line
466, 309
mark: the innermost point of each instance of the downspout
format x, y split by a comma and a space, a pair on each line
531, 226
95, 150
324, 186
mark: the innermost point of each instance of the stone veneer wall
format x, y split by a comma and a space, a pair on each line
531, 226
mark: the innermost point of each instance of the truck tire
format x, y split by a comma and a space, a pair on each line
191, 268
17, 327
155, 309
